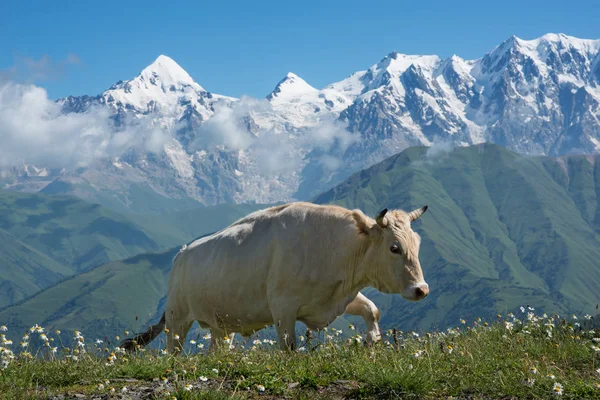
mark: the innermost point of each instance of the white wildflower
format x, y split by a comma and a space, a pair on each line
528, 382
557, 389
418, 354
533, 370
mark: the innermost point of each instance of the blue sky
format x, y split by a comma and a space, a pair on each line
246, 47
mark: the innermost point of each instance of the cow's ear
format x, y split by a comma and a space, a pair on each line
362, 222
381, 220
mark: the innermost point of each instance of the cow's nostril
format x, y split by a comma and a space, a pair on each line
421, 293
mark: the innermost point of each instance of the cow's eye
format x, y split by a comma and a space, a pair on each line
395, 249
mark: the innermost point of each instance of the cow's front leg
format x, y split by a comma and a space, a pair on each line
364, 307
285, 324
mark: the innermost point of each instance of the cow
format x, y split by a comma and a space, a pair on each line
292, 262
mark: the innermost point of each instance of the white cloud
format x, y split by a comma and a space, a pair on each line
331, 135
29, 70
226, 127
436, 152
273, 152
438, 149
34, 131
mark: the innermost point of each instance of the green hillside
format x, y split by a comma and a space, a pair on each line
25, 270
136, 199
181, 227
102, 301
502, 230
72, 232
46, 238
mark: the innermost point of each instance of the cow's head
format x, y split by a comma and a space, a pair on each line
394, 254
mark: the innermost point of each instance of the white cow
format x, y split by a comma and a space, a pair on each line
294, 262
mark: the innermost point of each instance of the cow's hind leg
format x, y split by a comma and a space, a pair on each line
364, 307
177, 329
218, 336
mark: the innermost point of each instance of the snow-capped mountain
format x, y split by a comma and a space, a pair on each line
537, 96
534, 97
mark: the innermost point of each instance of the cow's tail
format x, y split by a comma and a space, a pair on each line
143, 339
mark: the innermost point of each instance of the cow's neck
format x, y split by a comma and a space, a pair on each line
357, 274
371, 268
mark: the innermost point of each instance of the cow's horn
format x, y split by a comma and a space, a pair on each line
414, 214
381, 219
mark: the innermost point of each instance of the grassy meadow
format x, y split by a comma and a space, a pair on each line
516, 356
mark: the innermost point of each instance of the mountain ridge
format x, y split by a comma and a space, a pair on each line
539, 96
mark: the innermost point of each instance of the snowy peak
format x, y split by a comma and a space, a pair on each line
560, 41
164, 88
397, 63
291, 86
165, 70
554, 52
388, 71
351, 87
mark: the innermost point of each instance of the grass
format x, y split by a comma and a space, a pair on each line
510, 358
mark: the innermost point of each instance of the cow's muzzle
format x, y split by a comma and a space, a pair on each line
416, 292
